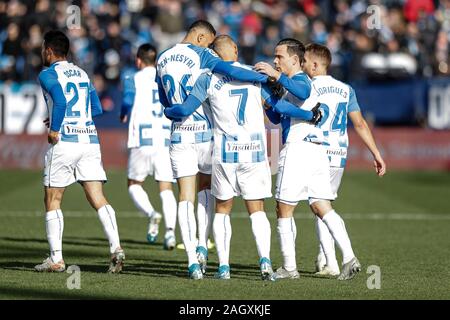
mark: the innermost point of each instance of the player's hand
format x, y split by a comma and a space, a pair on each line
317, 114
276, 87
379, 165
266, 68
47, 122
53, 137
124, 118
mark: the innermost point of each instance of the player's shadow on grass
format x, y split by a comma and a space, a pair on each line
126, 243
18, 265
26, 293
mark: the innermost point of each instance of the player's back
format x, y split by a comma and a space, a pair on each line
239, 131
335, 98
178, 69
148, 126
77, 124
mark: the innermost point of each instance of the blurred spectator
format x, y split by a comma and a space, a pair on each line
417, 31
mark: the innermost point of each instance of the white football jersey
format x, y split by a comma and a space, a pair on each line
147, 126
77, 125
177, 71
238, 114
336, 99
299, 130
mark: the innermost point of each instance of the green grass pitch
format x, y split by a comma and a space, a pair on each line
400, 223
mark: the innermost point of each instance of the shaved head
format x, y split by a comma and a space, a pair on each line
225, 47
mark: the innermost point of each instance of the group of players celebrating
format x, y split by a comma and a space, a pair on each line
196, 116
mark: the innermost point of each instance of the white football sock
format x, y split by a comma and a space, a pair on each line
54, 225
261, 232
337, 229
204, 216
287, 233
222, 236
140, 199
169, 206
188, 228
326, 244
107, 217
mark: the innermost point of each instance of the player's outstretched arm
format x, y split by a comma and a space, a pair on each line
183, 110
241, 74
299, 86
288, 109
194, 100
364, 132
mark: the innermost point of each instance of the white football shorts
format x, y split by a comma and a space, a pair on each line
252, 181
68, 162
336, 174
303, 173
190, 158
150, 161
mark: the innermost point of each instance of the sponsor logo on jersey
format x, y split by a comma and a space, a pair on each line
68, 129
198, 126
233, 146
340, 152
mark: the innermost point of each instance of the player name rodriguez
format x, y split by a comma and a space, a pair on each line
227, 309
78, 130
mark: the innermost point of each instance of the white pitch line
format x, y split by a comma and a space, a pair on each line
243, 215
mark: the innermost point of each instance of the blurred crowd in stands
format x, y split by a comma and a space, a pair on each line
368, 38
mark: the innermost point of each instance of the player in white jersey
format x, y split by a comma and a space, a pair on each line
240, 166
190, 150
338, 100
74, 152
148, 144
303, 168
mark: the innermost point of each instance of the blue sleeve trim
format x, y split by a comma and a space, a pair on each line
129, 93
273, 116
353, 102
200, 90
183, 110
59, 107
162, 94
208, 58
238, 73
299, 85
96, 105
48, 79
288, 109
265, 92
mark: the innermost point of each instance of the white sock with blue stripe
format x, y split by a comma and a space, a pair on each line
261, 232
107, 217
204, 216
222, 236
287, 233
188, 228
54, 226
